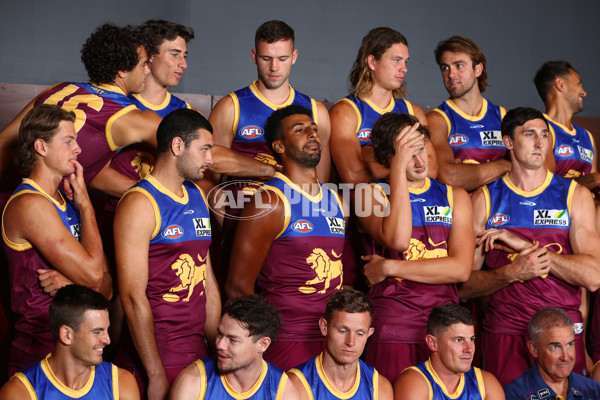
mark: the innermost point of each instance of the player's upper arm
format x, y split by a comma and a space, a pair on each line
461, 241
344, 144
480, 212
438, 127
128, 388
411, 385
324, 126
14, 389
133, 227
187, 384
493, 389
33, 219
134, 127
300, 388
385, 389
261, 221
221, 118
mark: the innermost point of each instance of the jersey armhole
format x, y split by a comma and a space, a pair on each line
448, 124
203, 379
157, 219
480, 382
21, 377
357, 111
236, 113
304, 382
488, 203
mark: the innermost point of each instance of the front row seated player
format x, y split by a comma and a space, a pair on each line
337, 373
74, 370
448, 373
248, 326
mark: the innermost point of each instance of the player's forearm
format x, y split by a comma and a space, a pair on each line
141, 325
577, 269
111, 182
396, 228
472, 176
433, 271
483, 283
590, 181
92, 242
227, 161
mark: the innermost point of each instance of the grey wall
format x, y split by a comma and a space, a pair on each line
40, 41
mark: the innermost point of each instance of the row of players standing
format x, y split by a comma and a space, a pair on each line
377, 81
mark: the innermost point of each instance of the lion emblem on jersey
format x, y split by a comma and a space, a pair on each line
326, 270
417, 250
143, 163
190, 275
555, 247
572, 174
267, 159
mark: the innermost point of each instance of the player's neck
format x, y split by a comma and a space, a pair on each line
167, 175
450, 379
470, 103
154, 93
560, 113
341, 376
48, 181
380, 97
120, 83
276, 96
244, 379
69, 371
304, 177
527, 179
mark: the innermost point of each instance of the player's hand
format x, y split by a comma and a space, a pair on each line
532, 262
158, 388
501, 239
75, 188
408, 143
374, 270
51, 280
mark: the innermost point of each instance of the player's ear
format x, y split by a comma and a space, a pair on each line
254, 55
40, 147
177, 146
323, 326
294, 56
371, 331
507, 142
478, 69
278, 147
65, 335
371, 62
263, 344
431, 342
532, 348
559, 84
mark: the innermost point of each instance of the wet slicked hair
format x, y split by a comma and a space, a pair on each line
273, 31
256, 314
442, 317
518, 117
460, 44
544, 78
377, 41
184, 123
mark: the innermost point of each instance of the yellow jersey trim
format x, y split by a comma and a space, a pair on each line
436, 378
572, 187
203, 379
480, 383
249, 393
382, 111
281, 386
155, 208
287, 209
323, 376
532, 193
108, 129
76, 394
358, 116
315, 199
450, 197
426, 380
236, 113
304, 382
422, 189
154, 107
115, 383
488, 201
268, 103
484, 106
20, 376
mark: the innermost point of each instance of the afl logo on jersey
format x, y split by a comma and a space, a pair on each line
565, 150
458, 139
499, 219
251, 132
364, 136
302, 226
173, 232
